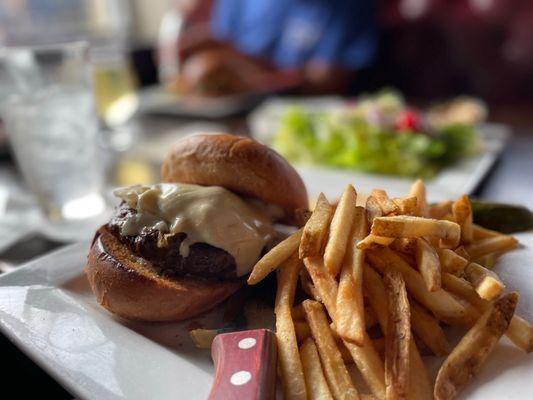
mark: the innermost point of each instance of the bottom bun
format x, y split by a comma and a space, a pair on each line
130, 287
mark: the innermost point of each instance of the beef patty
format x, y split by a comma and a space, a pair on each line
203, 260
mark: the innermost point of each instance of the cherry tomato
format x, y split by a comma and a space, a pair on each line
408, 120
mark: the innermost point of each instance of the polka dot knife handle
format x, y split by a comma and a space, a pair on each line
245, 365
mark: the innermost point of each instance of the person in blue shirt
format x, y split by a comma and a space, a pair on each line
323, 42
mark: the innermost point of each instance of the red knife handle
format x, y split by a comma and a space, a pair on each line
245, 365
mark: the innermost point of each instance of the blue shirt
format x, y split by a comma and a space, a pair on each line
292, 32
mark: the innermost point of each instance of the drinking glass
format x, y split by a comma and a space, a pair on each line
52, 128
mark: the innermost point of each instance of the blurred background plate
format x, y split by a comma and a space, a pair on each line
461, 177
158, 100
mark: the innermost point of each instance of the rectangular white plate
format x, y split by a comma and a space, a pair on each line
48, 311
461, 177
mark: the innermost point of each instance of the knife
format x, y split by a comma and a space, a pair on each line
245, 365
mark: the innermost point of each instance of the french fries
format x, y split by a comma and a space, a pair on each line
397, 337
373, 241
326, 286
428, 263
418, 190
450, 261
373, 209
440, 210
408, 226
418, 266
271, 260
428, 330
407, 205
441, 303
339, 232
419, 383
350, 321
491, 245
387, 205
473, 349
520, 331
365, 356
462, 213
483, 233
291, 369
487, 284
337, 375
315, 230
317, 386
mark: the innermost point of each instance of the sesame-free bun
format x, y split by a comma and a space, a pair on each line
239, 164
132, 288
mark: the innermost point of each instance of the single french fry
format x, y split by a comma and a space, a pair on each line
350, 321
339, 231
325, 285
409, 226
418, 190
385, 203
419, 383
450, 261
338, 378
489, 245
466, 358
487, 284
397, 337
290, 365
428, 263
428, 330
271, 260
373, 241
315, 230
440, 210
373, 209
316, 384
479, 232
442, 304
462, 213
461, 251
407, 205
520, 331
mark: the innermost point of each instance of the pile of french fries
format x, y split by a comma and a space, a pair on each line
382, 282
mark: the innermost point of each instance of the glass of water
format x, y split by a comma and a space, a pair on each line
52, 127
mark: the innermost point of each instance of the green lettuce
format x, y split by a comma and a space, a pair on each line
346, 140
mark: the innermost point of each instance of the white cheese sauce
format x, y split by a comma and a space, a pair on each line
207, 214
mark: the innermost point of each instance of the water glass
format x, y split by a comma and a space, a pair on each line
52, 128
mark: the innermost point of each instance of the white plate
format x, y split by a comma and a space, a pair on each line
48, 311
157, 100
461, 177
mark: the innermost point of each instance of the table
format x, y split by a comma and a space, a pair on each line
510, 180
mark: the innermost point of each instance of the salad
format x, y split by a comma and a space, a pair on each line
379, 134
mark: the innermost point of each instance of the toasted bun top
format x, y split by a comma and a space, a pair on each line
239, 164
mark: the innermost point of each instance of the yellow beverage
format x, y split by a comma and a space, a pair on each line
114, 90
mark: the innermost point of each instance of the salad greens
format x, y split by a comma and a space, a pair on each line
378, 134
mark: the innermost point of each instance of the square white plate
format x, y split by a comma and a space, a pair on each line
48, 311
461, 177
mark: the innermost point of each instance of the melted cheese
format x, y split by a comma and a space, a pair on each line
207, 214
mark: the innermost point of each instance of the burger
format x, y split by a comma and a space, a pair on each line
175, 249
